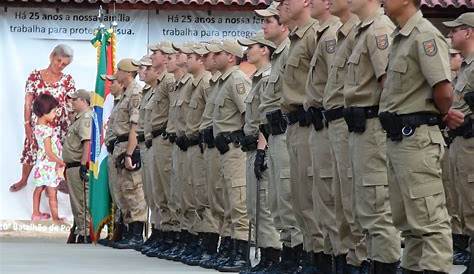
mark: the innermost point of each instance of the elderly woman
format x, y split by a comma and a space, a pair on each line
53, 81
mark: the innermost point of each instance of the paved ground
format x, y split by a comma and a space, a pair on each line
52, 256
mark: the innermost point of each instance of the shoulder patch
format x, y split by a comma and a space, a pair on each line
240, 88
382, 41
430, 47
331, 46
135, 101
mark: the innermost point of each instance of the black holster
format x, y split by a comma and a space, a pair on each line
248, 143
208, 137
315, 115
222, 143
182, 142
265, 130
299, 116
136, 160
277, 122
392, 124
171, 137
110, 146
355, 119
148, 143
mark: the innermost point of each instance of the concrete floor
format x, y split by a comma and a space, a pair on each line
53, 256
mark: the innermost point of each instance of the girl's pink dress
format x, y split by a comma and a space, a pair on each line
44, 171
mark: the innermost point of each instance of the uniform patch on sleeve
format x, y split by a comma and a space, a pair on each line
240, 88
135, 102
430, 47
382, 41
88, 123
331, 46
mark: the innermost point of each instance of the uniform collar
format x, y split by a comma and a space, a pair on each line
262, 71
326, 24
410, 25
130, 87
161, 76
468, 60
300, 31
346, 28
147, 88
198, 79
282, 46
216, 76
369, 20
185, 78
229, 72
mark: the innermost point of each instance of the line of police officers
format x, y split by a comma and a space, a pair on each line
330, 151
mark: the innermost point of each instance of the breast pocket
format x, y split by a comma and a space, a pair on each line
353, 69
397, 75
292, 67
273, 82
122, 113
339, 65
193, 104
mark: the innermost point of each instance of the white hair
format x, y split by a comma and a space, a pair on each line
63, 50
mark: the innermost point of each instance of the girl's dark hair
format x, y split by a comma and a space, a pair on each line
43, 104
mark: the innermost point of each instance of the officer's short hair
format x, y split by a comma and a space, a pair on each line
63, 50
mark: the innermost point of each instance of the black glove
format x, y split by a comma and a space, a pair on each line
259, 164
83, 173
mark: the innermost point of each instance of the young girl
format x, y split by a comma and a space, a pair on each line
49, 165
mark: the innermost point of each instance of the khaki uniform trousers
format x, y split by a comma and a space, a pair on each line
147, 178
267, 233
350, 234
279, 191
418, 201
113, 187
130, 189
187, 201
461, 156
371, 202
453, 200
301, 173
232, 165
174, 201
322, 159
205, 221
76, 196
215, 183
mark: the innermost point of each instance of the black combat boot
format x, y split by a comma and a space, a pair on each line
192, 246
166, 242
224, 255
238, 259
210, 261
340, 263
407, 271
377, 267
213, 253
150, 241
288, 262
135, 237
364, 268
83, 240
325, 263
178, 246
433, 272
268, 257
200, 248
460, 255
308, 264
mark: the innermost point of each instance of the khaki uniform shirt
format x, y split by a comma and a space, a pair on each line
80, 130
252, 101
321, 62
295, 75
146, 95
127, 110
333, 92
464, 83
206, 120
157, 108
201, 89
270, 98
185, 90
368, 61
109, 135
233, 87
418, 60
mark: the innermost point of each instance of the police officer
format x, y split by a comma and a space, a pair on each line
156, 120
150, 77
294, 77
279, 190
417, 93
206, 224
461, 151
352, 251
362, 89
127, 156
228, 120
76, 148
258, 54
321, 154
214, 175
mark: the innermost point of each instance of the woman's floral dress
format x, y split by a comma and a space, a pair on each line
44, 171
35, 85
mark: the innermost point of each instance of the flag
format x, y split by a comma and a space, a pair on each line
100, 206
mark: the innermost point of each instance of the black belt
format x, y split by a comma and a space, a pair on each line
398, 126
248, 143
171, 137
298, 116
466, 130
121, 139
141, 137
370, 112
158, 132
73, 164
194, 141
277, 123
333, 114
